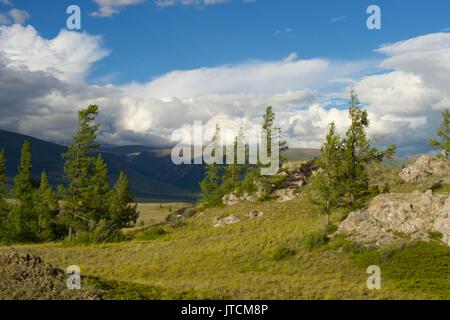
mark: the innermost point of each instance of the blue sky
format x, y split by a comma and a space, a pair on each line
146, 40
154, 66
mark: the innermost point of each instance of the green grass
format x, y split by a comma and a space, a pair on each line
154, 213
259, 258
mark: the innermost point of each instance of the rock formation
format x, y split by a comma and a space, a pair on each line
425, 167
392, 216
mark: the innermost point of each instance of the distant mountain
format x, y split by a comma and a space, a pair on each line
48, 156
151, 173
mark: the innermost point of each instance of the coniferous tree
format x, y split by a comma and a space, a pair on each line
231, 180
357, 154
79, 169
4, 206
97, 191
210, 185
443, 133
47, 209
123, 213
23, 220
326, 183
343, 180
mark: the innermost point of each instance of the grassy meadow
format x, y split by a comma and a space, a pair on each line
259, 258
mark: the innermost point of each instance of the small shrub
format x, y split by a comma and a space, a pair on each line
102, 233
282, 253
315, 239
150, 234
435, 235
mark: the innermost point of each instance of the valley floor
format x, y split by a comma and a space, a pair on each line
259, 258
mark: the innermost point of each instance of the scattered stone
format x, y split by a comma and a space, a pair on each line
389, 216
425, 167
186, 212
226, 221
255, 214
285, 195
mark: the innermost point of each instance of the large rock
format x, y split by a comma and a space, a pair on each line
226, 221
390, 216
425, 167
186, 212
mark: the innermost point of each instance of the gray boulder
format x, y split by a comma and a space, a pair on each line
425, 167
390, 215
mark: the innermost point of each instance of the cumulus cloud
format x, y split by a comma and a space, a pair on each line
68, 56
42, 87
107, 8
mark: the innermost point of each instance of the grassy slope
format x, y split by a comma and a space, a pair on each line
237, 261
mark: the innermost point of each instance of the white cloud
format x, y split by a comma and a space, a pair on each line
42, 81
19, 16
68, 56
108, 8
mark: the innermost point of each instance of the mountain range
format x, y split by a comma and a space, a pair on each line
151, 173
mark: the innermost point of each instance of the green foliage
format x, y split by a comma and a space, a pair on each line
102, 232
344, 179
249, 182
4, 206
122, 213
47, 210
411, 266
80, 170
443, 133
210, 186
151, 233
282, 253
435, 235
315, 239
23, 182
22, 222
89, 203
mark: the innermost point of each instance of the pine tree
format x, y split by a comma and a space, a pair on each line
4, 207
123, 213
231, 181
326, 183
79, 168
23, 221
97, 191
267, 125
357, 154
443, 132
47, 208
210, 185
23, 182
270, 131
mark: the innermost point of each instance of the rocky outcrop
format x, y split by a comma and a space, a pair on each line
226, 221
293, 175
425, 167
232, 199
26, 277
186, 212
392, 216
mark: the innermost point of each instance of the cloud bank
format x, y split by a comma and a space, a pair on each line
42, 86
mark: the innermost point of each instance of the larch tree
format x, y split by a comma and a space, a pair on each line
443, 144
